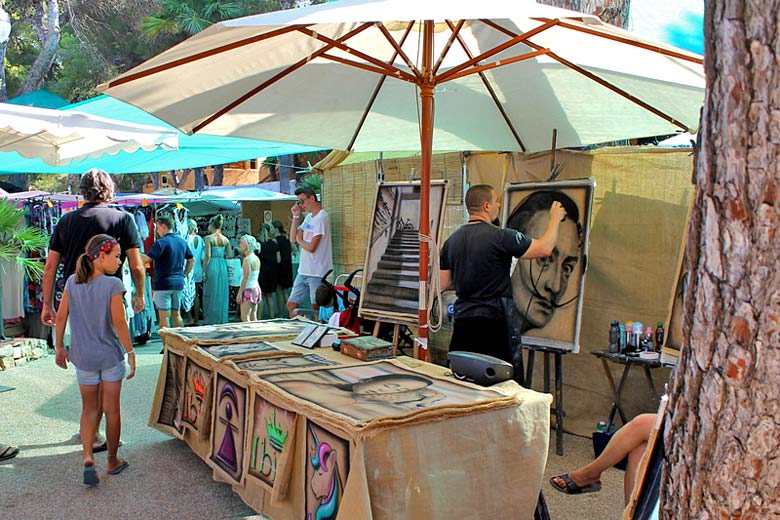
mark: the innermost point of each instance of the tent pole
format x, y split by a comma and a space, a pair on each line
426, 145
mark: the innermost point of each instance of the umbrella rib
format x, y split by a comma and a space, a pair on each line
399, 51
597, 79
617, 90
516, 38
382, 72
375, 93
201, 55
627, 41
390, 71
492, 92
499, 63
455, 31
289, 70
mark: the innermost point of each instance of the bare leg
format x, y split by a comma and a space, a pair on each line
163, 317
291, 306
252, 312
111, 392
268, 301
629, 479
89, 417
245, 311
176, 318
625, 440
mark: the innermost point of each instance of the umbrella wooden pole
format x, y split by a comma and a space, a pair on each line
426, 146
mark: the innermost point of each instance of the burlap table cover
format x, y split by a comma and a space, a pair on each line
483, 459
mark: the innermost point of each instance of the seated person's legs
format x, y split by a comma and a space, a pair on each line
633, 436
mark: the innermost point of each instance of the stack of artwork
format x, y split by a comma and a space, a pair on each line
258, 415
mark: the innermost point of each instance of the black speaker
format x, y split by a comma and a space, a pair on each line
479, 368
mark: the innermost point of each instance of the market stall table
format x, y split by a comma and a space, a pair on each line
628, 362
298, 431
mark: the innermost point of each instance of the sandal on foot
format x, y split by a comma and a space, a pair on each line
8, 453
90, 476
119, 469
571, 488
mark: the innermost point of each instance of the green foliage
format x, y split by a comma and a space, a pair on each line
313, 181
17, 240
181, 18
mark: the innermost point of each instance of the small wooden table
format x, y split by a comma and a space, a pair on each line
628, 362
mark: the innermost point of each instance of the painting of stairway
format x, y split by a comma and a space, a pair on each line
391, 281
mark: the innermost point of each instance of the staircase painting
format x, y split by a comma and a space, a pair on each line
395, 284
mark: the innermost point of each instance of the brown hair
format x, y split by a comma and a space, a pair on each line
96, 186
478, 195
94, 247
217, 221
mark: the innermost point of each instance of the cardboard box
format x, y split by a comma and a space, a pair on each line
367, 348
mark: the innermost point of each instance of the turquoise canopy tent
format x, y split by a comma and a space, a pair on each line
194, 150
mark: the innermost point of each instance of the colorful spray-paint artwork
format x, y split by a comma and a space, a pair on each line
327, 468
271, 427
376, 390
197, 398
268, 364
227, 438
170, 416
239, 349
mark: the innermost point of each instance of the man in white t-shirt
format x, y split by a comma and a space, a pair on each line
314, 238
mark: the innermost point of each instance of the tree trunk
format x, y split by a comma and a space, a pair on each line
200, 179
723, 420
5, 27
48, 28
219, 174
614, 12
286, 172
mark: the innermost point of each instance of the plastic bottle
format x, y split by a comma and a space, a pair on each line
614, 337
647, 340
628, 327
659, 336
601, 426
636, 334
622, 338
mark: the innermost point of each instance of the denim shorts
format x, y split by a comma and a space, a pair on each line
94, 377
302, 282
166, 300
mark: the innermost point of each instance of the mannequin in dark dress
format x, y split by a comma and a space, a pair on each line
269, 261
284, 277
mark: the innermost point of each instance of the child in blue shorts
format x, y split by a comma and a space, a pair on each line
100, 341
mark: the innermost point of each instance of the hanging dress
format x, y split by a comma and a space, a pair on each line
215, 288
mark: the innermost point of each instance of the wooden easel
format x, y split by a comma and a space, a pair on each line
396, 333
647, 476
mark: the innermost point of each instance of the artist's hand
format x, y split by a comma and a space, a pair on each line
138, 303
557, 212
61, 357
48, 315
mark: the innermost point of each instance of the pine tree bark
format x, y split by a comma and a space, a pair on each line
219, 175
47, 26
723, 423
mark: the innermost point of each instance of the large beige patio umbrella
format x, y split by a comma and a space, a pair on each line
373, 75
59, 137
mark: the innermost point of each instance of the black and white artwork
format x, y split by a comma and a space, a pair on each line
547, 292
392, 267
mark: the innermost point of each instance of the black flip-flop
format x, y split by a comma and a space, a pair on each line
90, 476
8, 453
103, 446
119, 469
571, 487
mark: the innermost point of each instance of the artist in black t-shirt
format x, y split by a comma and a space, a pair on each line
74, 230
475, 261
